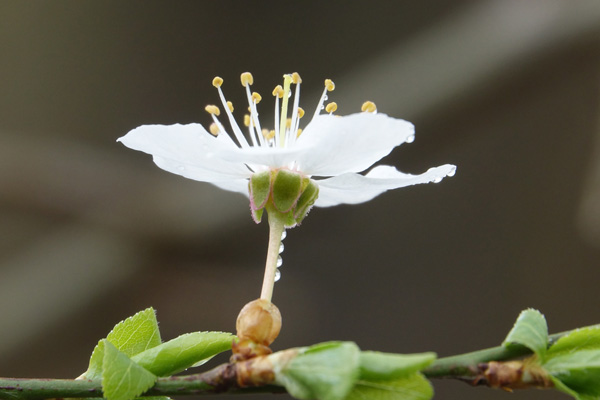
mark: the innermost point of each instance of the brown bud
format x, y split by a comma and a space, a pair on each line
259, 321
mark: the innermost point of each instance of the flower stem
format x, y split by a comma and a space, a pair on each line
276, 228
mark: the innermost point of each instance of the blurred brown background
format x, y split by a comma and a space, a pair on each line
91, 232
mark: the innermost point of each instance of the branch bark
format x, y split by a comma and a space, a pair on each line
464, 367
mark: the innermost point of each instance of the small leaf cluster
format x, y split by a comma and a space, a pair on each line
132, 356
572, 362
339, 370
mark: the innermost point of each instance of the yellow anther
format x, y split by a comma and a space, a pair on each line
230, 106
246, 120
299, 132
331, 107
214, 129
296, 78
278, 91
329, 85
247, 79
288, 123
256, 98
217, 81
268, 134
300, 112
368, 106
214, 110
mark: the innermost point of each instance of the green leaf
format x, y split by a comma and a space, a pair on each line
385, 366
325, 371
94, 370
412, 387
136, 334
123, 379
561, 387
574, 362
530, 330
579, 371
580, 339
183, 352
131, 336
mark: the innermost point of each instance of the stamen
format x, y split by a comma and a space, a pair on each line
246, 120
230, 106
256, 97
329, 86
278, 91
299, 133
247, 79
214, 129
268, 134
331, 107
288, 123
255, 131
294, 124
217, 81
218, 124
369, 106
287, 80
214, 110
300, 112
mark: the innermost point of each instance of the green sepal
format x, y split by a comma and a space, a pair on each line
287, 187
123, 379
307, 199
530, 330
259, 189
375, 365
325, 371
257, 215
183, 352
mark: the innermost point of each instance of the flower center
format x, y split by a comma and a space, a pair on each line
286, 129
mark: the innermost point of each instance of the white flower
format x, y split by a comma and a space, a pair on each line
331, 150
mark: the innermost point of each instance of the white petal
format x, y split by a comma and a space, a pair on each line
335, 145
266, 156
354, 188
194, 172
187, 150
236, 185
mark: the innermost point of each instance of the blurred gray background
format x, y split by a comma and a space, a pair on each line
91, 232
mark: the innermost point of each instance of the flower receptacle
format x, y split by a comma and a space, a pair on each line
287, 194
